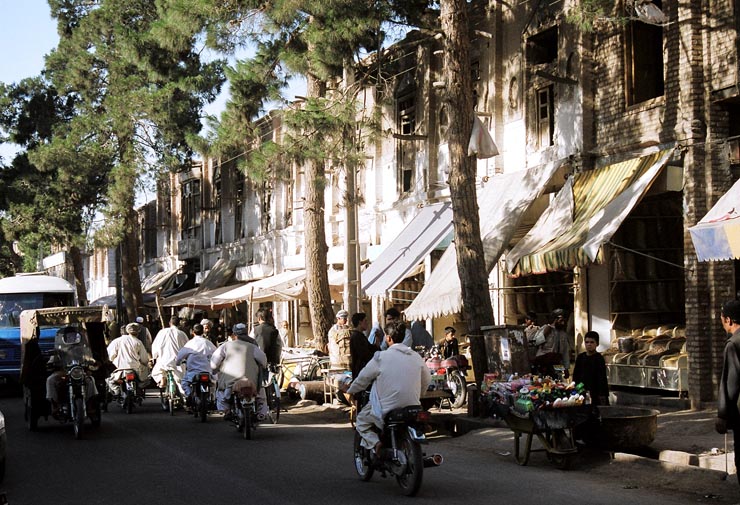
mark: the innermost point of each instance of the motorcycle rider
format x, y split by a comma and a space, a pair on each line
127, 352
74, 347
165, 347
196, 354
399, 375
236, 359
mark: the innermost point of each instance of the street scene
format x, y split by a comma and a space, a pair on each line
345, 251
151, 457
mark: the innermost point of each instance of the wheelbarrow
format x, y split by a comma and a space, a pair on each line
553, 428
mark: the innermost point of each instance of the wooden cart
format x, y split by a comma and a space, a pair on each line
553, 428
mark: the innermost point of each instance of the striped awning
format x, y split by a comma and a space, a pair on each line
717, 236
584, 215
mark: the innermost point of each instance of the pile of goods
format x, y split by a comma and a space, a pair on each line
528, 393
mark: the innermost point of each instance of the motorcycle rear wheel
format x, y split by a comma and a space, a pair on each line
246, 423
459, 391
410, 480
128, 403
78, 417
203, 407
363, 465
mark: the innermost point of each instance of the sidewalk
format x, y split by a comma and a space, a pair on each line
687, 454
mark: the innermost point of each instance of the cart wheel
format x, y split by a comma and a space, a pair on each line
561, 441
522, 459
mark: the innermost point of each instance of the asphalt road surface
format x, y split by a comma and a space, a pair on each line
149, 457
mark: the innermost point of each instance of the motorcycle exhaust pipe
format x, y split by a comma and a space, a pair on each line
433, 460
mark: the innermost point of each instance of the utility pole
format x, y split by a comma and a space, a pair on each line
352, 259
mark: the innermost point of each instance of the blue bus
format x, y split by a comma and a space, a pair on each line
21, 292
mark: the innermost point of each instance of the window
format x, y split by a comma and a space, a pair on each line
149, 231
643, 60
191, 209
406, 147
542, 49
217, 190
545, 116
239, 206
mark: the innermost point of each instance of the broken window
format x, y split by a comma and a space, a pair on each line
643, 60
406, 145
545, 116
542, 48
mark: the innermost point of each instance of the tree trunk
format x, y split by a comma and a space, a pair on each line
74, 252
317, 276
458, 97
130, 268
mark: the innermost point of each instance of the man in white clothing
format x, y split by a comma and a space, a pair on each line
165, 347
196, 354
399, 375
127, 352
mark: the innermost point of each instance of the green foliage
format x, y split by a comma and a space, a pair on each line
586, 14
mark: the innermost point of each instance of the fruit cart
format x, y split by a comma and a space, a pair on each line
553, 428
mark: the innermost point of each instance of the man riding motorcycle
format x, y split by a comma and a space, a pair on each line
165, 347
69, 348
236, 359
127, 352
196, 354
399, 375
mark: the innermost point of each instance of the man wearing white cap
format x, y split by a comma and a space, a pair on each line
144, 335
127, 352
207, 325
339, 338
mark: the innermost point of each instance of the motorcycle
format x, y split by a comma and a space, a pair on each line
200, 395
244, 407
401, 455
453, 370
129, 391
77, 404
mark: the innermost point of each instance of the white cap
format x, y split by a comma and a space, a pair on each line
139, 319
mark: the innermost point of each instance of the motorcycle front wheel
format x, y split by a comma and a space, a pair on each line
273, 402
78, 416
410, 479
459, 393
363, 466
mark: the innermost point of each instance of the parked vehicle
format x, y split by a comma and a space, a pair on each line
80, 358
25, 292
401, 456
244, 407
453, 369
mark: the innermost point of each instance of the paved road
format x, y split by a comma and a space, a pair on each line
150, 458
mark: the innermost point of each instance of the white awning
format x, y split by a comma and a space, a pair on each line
502, 203
425, 231
163, 280
717, 235
285, 286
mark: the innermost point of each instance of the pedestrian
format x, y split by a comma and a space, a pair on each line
422, 340
377, 335
530, 330
556, 348
728, 413
208, 332
286, 334
339, 342
267, 337
449, 346
590, 369
361, 351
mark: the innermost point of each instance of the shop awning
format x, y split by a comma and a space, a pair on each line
584, 215
716, 236
199, 299
424, 232
219, 275
160, 280
502, 203
285, 286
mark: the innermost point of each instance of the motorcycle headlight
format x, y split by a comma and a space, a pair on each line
77, 373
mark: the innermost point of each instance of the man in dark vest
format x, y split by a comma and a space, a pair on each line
268, 337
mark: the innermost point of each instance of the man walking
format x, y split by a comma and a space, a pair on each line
728, 415
268, 337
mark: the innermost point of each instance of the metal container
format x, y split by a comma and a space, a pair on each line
624, 428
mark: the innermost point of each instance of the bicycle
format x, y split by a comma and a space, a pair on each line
272, 393
169, 396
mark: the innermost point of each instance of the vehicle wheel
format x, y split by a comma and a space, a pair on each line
78, 417
410, 479
314, 373
459, 393
128, 403
164, 400
273, 402
246, 423
203, 406
362, 460
96, 415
